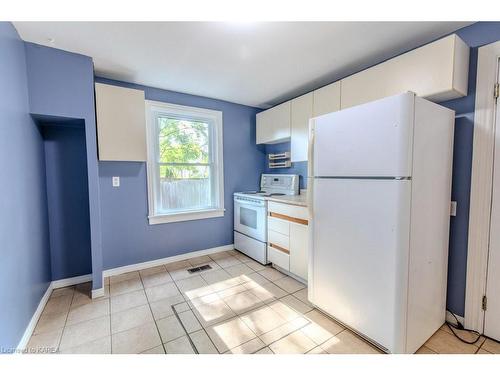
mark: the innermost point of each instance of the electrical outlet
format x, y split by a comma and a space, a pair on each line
116, 181
453, 208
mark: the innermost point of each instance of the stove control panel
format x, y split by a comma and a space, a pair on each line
280, 183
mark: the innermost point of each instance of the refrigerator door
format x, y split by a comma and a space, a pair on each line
373, 139
359, 245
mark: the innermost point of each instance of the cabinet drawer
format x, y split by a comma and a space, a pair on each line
290, 211
278, 225
278, 239
278, 257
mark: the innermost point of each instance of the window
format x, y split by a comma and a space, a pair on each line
185, 172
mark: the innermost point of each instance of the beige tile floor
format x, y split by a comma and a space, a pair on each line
239, 306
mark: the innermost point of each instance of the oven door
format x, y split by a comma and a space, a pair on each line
250, 217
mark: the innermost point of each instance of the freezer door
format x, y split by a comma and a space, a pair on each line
373, 139
359, 249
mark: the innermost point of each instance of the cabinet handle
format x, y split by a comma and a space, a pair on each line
288, 218
279, 248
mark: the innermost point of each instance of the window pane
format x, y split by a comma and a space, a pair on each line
184, 188
248, 217
182, 140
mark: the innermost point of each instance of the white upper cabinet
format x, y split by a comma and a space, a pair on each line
326, 99
437, 71
273, 125
121, 123
302, 111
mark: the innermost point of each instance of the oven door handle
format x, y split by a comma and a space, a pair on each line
248, 203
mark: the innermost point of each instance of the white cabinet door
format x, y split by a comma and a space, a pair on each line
298, 250
273, 125
121, 123
491, 321
437, 71
326, 99
302, 108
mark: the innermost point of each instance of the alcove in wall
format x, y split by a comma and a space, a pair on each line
67, 195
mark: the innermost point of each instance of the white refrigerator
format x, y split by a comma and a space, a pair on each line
379, 198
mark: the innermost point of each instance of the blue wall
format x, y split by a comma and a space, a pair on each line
24, 249
68, 199
127, 236
299, 168
61, 85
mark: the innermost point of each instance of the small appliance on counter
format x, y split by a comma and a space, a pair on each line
250, 213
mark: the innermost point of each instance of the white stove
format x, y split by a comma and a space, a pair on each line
250, 213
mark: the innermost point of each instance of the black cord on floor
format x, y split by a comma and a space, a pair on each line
459, 327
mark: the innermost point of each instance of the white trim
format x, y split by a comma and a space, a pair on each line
100, 292
290, 274
481, 185
451, 319
62, 283
216, 153
159, 262
34, 320
185, 216
56, 284
96, 293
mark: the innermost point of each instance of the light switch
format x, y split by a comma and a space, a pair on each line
116, 181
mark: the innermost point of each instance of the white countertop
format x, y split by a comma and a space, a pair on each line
296, 200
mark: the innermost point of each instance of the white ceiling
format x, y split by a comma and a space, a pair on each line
257, 64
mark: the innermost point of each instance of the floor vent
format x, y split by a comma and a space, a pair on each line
200, 268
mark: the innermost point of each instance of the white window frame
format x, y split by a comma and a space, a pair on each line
216, 152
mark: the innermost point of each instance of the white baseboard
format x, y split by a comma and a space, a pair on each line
451, 319
62, 283
56, 284
100, 292
34, 320
162, 261
96, 293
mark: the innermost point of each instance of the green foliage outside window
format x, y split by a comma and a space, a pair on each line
183, 142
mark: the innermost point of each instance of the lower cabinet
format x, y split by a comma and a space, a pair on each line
288, 238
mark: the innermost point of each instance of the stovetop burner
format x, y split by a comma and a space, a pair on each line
273, 185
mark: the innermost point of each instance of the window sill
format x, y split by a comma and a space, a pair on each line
185, 216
